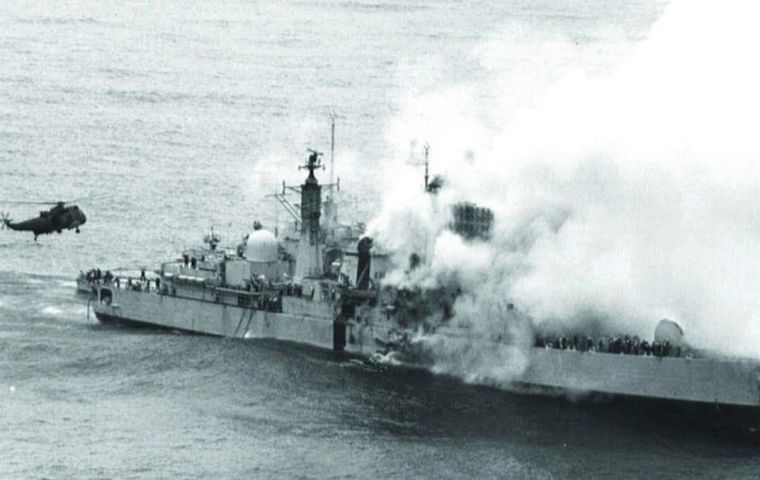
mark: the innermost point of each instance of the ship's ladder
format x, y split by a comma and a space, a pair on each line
240, 322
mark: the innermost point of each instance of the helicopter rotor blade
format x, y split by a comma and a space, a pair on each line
87, 198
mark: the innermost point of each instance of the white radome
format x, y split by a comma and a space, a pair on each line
261, 247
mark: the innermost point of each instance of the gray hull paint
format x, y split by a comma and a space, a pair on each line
294, 325
703, 380
717, 381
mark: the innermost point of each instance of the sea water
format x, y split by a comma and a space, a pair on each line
176, 116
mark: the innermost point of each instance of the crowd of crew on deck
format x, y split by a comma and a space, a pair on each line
625, 345
98, 277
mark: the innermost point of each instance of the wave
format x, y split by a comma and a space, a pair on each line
383, 7
59, 21
156, 97
27, 278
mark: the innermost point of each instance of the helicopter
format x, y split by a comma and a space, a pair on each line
61, 216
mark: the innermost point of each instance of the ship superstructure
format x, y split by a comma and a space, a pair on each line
326, 289
261, 290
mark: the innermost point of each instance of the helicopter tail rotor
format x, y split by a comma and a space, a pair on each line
5, 219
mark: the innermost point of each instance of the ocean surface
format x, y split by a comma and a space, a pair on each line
176, 116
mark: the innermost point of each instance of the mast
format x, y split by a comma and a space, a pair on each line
330, 208
309, 263
427, 164
332, 153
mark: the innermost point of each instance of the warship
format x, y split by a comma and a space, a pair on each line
324, 285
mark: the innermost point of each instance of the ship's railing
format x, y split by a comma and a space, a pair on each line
245, 293
621, 344
139, 284
266, 296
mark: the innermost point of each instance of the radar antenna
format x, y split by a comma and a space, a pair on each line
314, 162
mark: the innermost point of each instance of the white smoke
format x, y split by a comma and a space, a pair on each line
619, 198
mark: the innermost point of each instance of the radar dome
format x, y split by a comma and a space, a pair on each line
261, 246
668, 331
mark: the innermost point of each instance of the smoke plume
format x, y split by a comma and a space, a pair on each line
620, 198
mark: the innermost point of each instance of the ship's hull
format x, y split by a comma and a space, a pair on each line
705, 380
302, 321
711, 382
